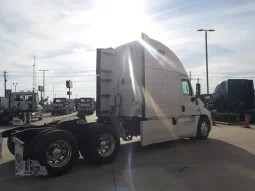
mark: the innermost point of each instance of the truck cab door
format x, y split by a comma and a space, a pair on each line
190, 111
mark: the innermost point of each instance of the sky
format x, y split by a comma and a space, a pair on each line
63, 36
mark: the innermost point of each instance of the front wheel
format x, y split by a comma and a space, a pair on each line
41, 116
24, 118
11, 145
203, 128
29, 118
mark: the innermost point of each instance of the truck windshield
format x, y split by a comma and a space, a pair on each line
18, 97
28, 97
85, 100
59, 100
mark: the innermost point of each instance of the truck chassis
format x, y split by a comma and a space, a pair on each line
53, 149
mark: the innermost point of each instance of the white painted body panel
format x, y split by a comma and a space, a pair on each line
164, 99
156, 131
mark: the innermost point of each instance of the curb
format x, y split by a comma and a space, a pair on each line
226, 123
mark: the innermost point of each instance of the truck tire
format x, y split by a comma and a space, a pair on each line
35, 140
203, 128
29, 118
102, 144
57, 150
11, 146
24, 118
41, 117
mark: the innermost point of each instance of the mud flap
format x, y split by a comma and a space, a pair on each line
26, 167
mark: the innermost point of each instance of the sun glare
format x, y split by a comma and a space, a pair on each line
116, 22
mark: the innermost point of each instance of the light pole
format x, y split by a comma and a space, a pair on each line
43, 81
15, 84
53, 94
206, 54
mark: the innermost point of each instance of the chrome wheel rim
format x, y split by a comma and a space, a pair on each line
105, 145
204, 128
58, 153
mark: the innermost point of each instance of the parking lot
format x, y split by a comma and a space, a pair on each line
225, 161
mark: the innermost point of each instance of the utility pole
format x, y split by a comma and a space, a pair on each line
43, 81
5, 80
15, 84
69, 92
53, 94
189, 75
206, 54
34, 76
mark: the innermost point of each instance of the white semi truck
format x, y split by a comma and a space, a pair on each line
142, 90
23, 105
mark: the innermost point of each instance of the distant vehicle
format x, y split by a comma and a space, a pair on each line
24, 105
86, 105
206, 98
76, 101
234, 96
62, 106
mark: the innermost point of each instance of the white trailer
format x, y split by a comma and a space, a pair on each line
142, 90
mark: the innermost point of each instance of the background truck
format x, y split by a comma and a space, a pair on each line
76, 101
86, 106
234, 97
206, 98
142, 90
20, 104
62, 106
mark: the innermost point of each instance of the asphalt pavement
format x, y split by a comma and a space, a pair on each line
225, 161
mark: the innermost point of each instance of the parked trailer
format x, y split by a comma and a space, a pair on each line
152, 99
234, 98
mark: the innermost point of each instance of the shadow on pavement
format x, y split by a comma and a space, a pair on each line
185, 165
180, 165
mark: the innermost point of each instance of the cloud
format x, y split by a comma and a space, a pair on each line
64, 35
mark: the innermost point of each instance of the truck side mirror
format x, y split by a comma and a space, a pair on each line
193, 99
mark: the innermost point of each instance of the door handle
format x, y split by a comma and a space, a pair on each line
183, 108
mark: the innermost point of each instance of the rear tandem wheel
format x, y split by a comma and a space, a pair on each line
57, 150
102, 144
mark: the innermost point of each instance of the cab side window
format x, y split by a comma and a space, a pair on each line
18, 97
186, 88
